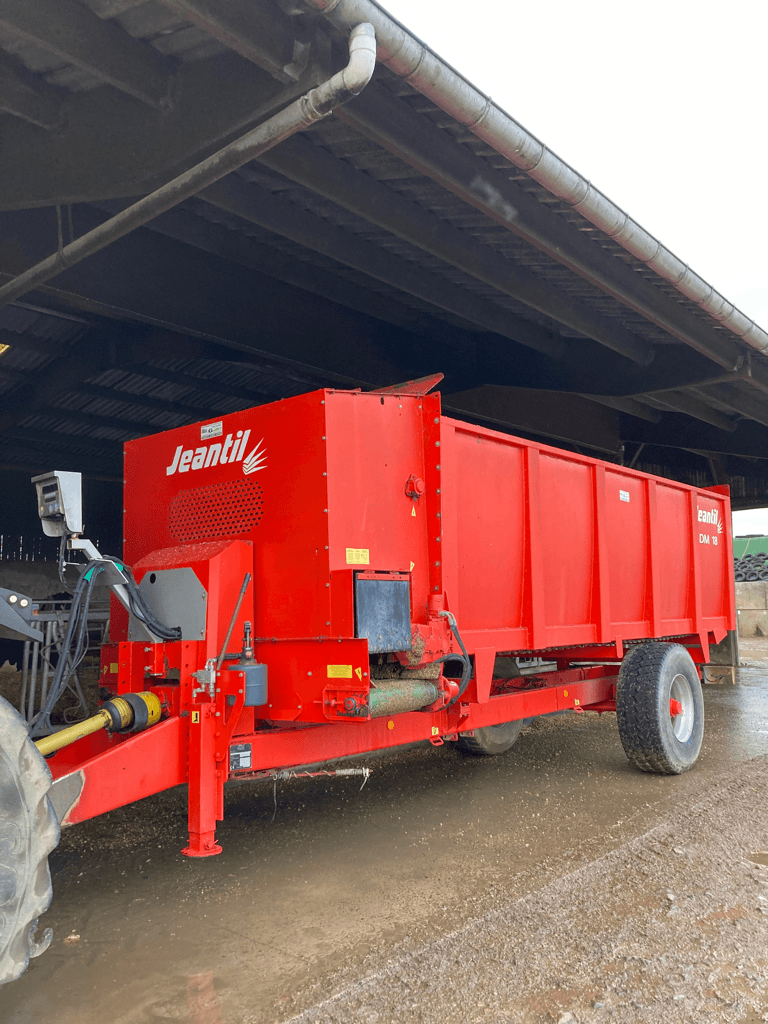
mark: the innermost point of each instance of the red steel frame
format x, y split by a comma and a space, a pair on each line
533, 550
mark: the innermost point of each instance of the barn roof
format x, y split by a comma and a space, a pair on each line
417, 229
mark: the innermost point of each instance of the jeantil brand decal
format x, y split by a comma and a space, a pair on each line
255, 460
226, 452
712, 518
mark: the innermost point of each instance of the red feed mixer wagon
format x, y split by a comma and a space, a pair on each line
344, 572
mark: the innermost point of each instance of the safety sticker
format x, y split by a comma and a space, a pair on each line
339, 671
412, 565
623, 495
358, 556
413, 510
195, 717
209, 430
239, 756
359, 673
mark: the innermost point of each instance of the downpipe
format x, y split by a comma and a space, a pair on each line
303, 112
411, 60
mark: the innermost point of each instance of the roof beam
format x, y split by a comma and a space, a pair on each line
259, 32
186, 411
678, 431
110, 146
745, 404
75, 34
111, 448
184, 226
627, 405
679, 401
414, 138
189, 380
146, 277
260, 207
316, 169
35, 457
42, 108
136, 428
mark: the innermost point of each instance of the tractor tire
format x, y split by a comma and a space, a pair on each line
650, 676
490, 740
29, 830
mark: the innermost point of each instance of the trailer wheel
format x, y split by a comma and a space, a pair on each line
490, 740
660, 708
29, 830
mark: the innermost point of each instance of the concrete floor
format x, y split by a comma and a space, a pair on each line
344, 882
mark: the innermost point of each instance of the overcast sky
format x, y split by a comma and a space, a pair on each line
660, 104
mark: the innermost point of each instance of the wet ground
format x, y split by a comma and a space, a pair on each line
442, 867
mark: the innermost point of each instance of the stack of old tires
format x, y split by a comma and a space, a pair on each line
750, 568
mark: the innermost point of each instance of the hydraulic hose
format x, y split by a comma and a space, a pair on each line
466, 675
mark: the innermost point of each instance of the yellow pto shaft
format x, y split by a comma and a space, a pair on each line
131, 712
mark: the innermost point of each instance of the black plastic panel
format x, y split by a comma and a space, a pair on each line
383, 614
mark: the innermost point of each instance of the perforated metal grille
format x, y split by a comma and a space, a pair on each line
219, 510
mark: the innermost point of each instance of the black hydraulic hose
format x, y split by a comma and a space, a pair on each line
73, 638
466, 675
141, 609
75, 643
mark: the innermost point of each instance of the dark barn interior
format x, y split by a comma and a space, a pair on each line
390, 241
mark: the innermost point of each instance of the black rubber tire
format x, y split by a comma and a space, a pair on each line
653, 741
751, 576
29, 830
739, 577
490, 740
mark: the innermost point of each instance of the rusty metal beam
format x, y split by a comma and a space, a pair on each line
75, 34
314, 168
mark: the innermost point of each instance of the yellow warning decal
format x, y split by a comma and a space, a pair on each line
413, 511
358, 556
359, 674
339, 671
435, 731
412, 565
113, 668
195, 717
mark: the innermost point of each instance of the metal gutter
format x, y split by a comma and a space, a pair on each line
303, 112
413, 61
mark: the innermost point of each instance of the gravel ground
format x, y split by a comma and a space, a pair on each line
670, 927
519, 888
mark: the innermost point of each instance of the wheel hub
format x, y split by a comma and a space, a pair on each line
681, 709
